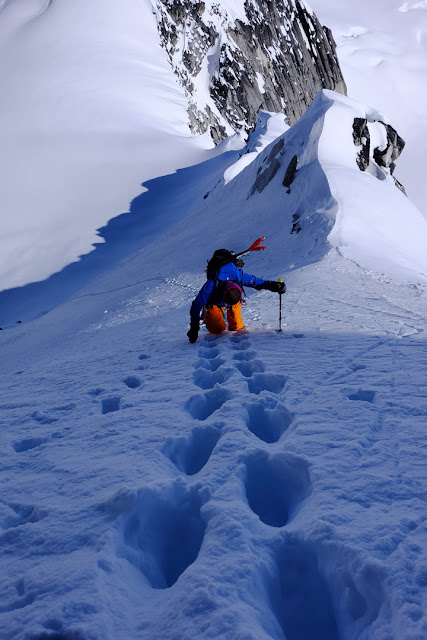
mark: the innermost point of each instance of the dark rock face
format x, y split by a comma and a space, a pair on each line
290, 173
295, 224
270, 166
362, 138
395, 146
383, 158
276, 58
266, 176
278, 146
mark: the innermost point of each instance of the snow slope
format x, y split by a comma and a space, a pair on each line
78, 133
254, 485
382, 50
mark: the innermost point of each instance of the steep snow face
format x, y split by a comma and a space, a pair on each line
237, 58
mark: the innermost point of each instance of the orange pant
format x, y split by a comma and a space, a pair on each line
214, 318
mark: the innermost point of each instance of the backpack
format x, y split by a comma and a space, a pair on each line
220, 258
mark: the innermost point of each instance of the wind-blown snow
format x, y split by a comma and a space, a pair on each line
259, 484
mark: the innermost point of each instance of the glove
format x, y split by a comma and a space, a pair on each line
275, 287
281, 287
193, 334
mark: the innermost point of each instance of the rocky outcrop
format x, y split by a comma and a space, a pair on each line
276, 56
380, 160
266, 176
290, 173
395, 144
361, 138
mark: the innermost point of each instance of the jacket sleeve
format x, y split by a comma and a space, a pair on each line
200, 300
251, 281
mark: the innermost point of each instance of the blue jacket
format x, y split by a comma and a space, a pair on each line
210, 294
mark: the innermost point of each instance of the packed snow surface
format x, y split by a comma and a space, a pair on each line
256, 485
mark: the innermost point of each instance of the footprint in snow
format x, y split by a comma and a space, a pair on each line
203, 405
276, 485
239, 339
208, 379
364, 395
96, 392
20, 599
28, 443
241, 345
210, 365
273, 382
190, 454
244, 355
248, 368
113, 403
163, 533
13, 515
43, 418
209, 353
267, 419
300, 595
133, 382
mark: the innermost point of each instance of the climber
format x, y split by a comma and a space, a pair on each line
223, 292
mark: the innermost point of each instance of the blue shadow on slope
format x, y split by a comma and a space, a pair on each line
168, 200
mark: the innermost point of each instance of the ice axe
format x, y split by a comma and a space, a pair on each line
280, 308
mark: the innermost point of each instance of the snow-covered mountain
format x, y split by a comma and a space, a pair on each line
237, 58
260, 484
98, 97
78, 132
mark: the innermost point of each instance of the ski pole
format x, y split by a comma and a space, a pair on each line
280, 308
